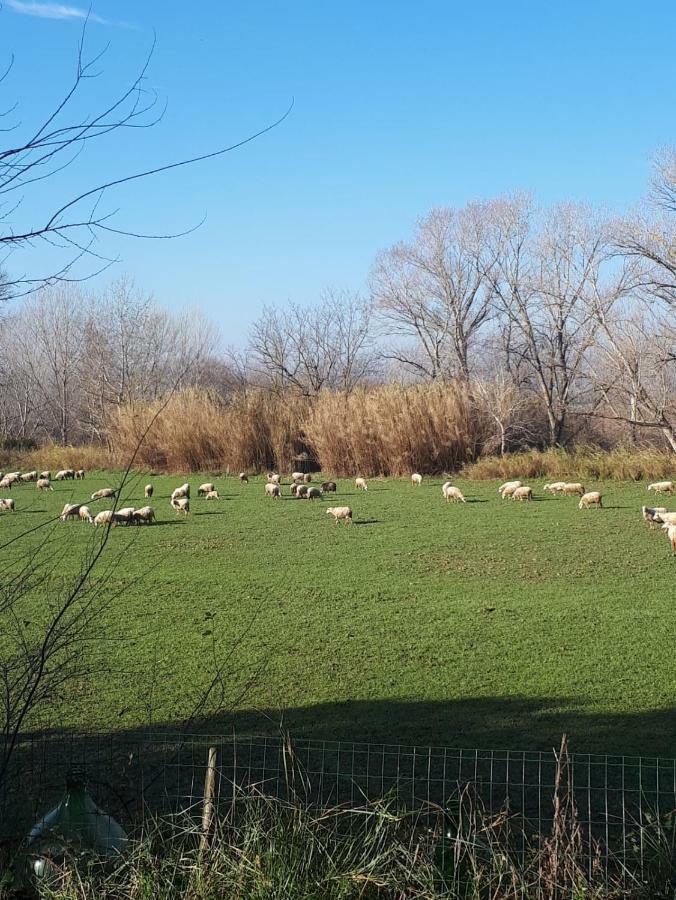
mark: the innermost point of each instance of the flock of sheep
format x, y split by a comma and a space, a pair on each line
301, 488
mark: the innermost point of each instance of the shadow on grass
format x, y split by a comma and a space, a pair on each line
366, 522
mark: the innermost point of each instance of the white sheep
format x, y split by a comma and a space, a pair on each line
272, 490
29, 476
85, 514
182, 491
274, 478
46, 474
211, 495
125, 514
44, 484
453, 494
181, 505
104, 493
80, 474
148, 491
244, 478
340, 512
509, 485
64, 475
360, 484
573, 487
649, 513
591, 498
8, 504
313, 493
105, 517
70, 511
301, 491
556, 487
297, 476
671, 534
662, 487
6, 483
307, 478
523, 493
205, 488
508, 490
665, 518
416, 479
145, 514
294, 488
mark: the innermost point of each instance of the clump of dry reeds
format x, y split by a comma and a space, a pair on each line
394, 429
622, 464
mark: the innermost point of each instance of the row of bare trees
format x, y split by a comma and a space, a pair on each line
69, 358
556, 320
560, 308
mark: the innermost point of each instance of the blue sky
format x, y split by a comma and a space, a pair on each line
398, 107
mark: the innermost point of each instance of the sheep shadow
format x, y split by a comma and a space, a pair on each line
367, 522
211, 512
476, 500
182, 521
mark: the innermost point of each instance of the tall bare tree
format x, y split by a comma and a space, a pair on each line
434, 290
548, 274
309, 348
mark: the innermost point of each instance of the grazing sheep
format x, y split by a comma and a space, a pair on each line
509, 490
329, 487
244, 478
46, 474
8, 504
85, 514
148, 491
11, 478
182, 491
523, 493
64, 475
671, 534
649, 514
665, 518
44, 484
70, 511
307, 478
297, 476
510, 486
340, 512
360, 483
592, 498
126, 514
662, 487
181, 505
453, 494
5, 483
29, 476
555, 488
80, 474
573, 488
273, 490
104, 493
301, 490
294, 488
205, 488
416, 479
274, 478
211, 495
313, 493
145, 514
105, 517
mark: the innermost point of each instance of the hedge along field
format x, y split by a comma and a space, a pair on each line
491, 624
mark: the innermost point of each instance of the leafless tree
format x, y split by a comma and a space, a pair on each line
505, 405
75, 227
309, 348
435, 290
548, 275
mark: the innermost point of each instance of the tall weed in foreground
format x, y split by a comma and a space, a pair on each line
622, 464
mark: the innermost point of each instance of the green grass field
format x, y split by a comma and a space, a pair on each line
492, 624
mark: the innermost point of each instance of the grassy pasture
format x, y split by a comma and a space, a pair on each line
492, 624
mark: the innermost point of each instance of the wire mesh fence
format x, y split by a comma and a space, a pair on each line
618, 800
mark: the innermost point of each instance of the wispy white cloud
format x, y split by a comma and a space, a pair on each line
46, 10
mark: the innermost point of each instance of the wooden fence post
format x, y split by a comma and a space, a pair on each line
208, 801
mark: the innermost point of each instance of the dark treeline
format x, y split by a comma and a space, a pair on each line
539, 327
